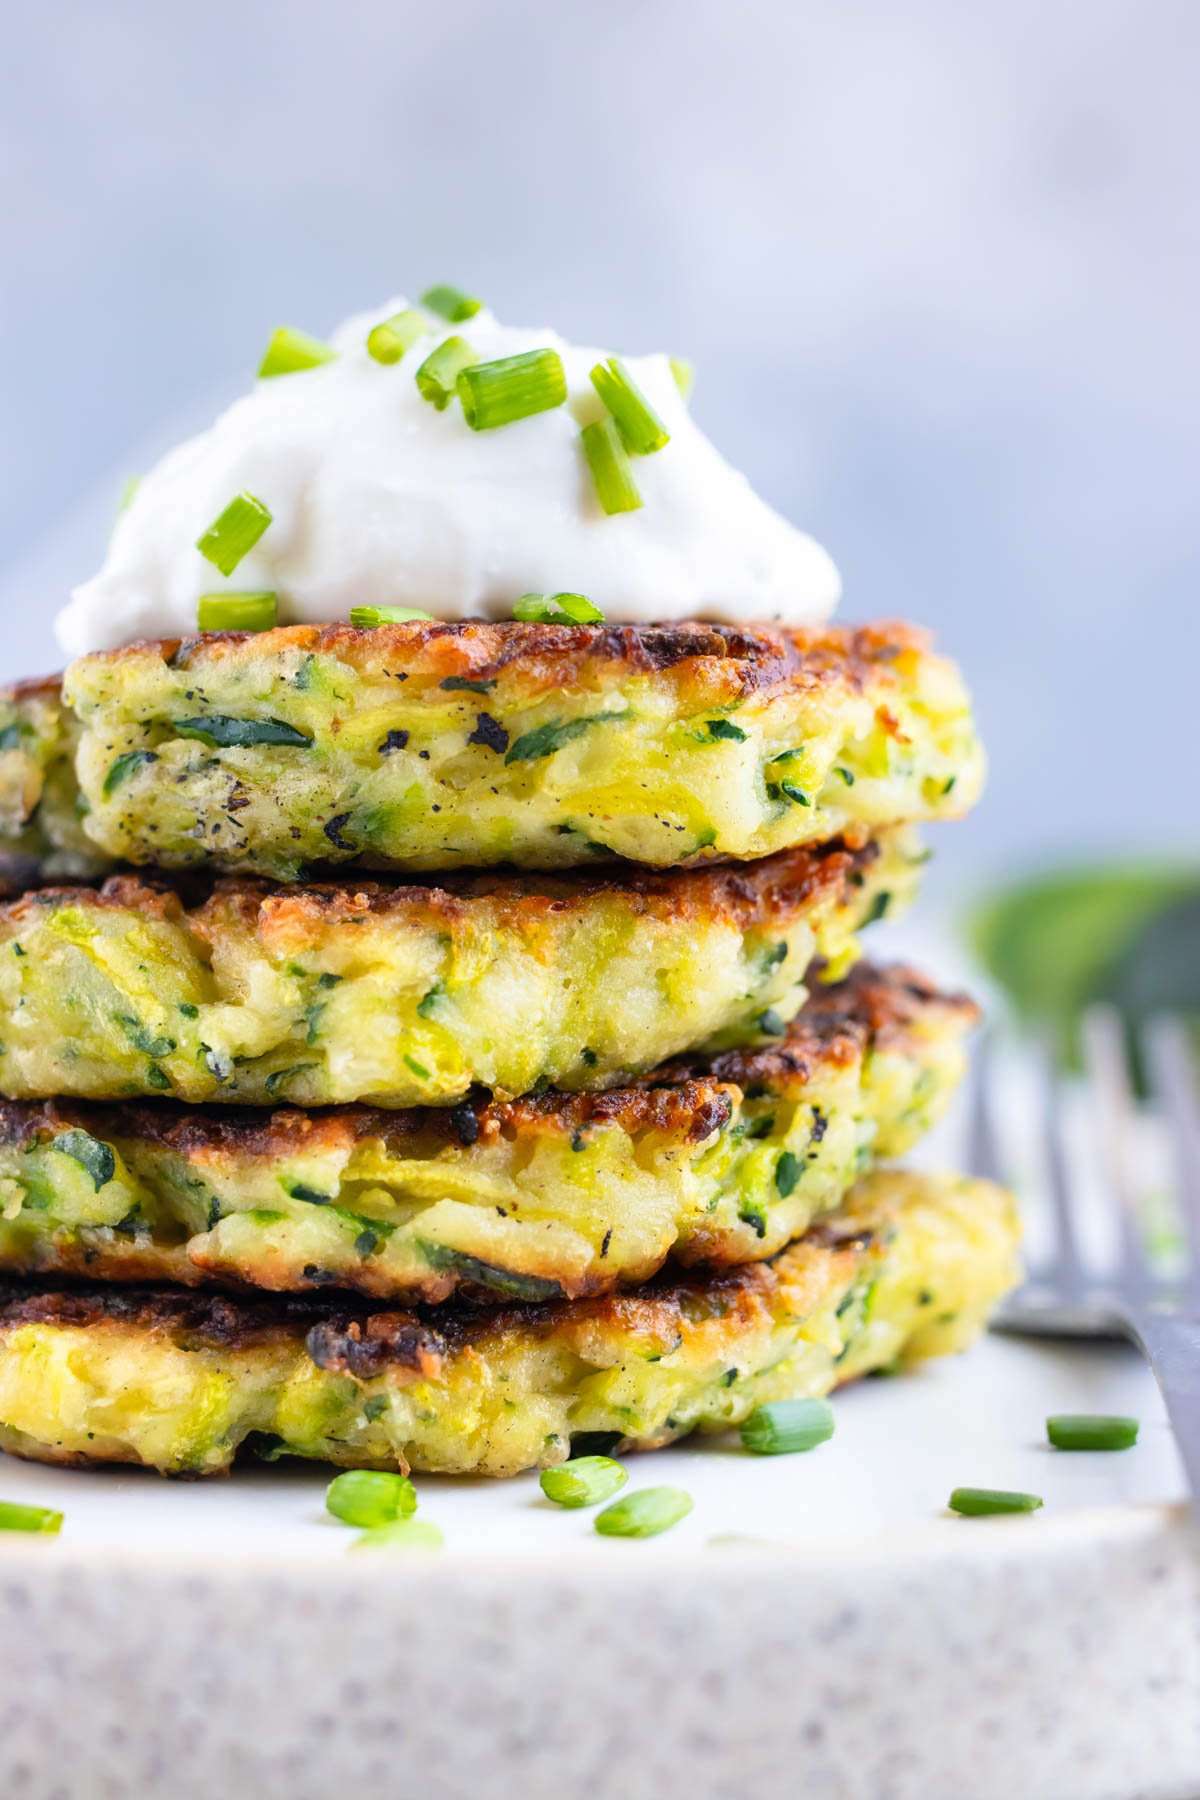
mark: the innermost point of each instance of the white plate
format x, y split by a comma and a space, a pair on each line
204, 1639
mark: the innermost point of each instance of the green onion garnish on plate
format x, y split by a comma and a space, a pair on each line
388, 341
645, 1513
980, 1503
557, 609
514, 387
402, 1534
642, 431
612, 472
451, 303
1091, 1431
365, 617
782, 1427
584, 1481
438, 374
289, 351
370, 1498
234, 532
237, 612
14, 1517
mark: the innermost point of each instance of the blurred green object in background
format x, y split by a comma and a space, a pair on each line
1128, 935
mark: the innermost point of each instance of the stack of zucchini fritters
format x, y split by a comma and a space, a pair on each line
445, 1045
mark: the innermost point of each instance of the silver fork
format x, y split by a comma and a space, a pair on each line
1132, 1298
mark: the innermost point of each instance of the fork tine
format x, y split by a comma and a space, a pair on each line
1068, 1261
1168, 1058
1103, 1036
983, 1139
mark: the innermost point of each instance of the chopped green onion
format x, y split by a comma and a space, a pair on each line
514, 387
557, 609
783, 1426
583, 1481
451, 303
14, 1517
388, 341
616, 489
289, 351
367, 616
237, 612
234, 532
684, 373
438, 374
402, 1534
129, 488
645, 1513
979, 1503
642, 431
1092, 1431
370, 1497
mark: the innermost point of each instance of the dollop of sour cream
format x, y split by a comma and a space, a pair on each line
379, 499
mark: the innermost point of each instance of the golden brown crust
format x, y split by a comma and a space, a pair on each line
687, 1099
716, 659
365, 1339
775, 887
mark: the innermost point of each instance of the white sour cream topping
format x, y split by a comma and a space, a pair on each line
378, 499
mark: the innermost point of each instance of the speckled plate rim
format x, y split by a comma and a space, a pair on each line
978, 1658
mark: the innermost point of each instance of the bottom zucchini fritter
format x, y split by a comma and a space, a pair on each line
181, 1381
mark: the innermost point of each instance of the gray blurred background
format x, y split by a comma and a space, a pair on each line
937, 266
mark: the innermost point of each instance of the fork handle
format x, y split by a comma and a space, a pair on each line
1172, 1347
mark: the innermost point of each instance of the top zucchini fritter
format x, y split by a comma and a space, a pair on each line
436, 746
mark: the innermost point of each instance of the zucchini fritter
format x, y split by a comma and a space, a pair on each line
439, 746
41, 835
711, 1162
409, 995
181, 1381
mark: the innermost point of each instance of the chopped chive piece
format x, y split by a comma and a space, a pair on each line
515, 387
978, 1503
14, 1517
584, 1481
645, 1513
234, 532
642, 431
684, 373
289, 351
438, 374
616, 489
1092, 1431
388, 340
557, 609
255, 611
365, 617
401, 1534
370, 1497
784, 1426
451, 303
129, 488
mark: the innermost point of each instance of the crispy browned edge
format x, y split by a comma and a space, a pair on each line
363, 1338
776, 887
32, 687
687, 1099
738, 662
